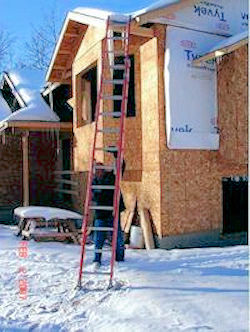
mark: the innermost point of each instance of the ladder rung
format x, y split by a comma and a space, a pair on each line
101, 229
114, 81
98, 251
112, 97
114, 22
107, 149
117, 38
118, 67
97, 272
105, 167
115, 114
116, 53
96, 186
109, 130
103, 208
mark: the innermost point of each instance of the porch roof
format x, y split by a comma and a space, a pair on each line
34, 113
225, 46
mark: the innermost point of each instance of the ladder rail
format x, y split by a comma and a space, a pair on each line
120, 154
91, 163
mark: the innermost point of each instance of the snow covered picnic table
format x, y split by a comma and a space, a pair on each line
157, 290
45, 212
42, 222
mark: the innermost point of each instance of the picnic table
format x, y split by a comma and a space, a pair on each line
48, 223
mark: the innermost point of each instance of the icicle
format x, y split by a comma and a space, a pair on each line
3, 138
57, 142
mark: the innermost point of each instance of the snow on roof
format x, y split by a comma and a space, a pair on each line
157, 5
100, 14
28, 84
45, 212
103, 15
4, 108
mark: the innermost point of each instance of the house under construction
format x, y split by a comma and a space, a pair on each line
186, 137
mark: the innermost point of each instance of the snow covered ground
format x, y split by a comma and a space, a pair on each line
158, 290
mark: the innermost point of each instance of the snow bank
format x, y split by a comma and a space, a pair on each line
179, 290
45, 212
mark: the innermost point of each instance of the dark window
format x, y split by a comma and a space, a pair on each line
91, 76
118, 74
235, 204
10, 97
60, 105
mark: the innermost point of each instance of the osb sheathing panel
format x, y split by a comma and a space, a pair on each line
83, 141
150, 187
191, 181
92, 38
89, 53
232, 98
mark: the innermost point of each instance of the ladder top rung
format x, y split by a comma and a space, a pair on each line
103, 208
95, 186
101, 229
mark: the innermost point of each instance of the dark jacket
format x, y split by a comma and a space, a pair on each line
104, 197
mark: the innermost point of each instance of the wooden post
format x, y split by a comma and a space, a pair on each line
25, 145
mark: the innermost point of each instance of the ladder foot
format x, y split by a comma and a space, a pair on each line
110, 285
79, 285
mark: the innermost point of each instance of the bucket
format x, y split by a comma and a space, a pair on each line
136, 238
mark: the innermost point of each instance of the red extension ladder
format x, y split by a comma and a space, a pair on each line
117, 34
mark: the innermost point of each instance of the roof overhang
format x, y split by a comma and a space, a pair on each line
158, 12
71, 36
37, 125
66, 48
226, 46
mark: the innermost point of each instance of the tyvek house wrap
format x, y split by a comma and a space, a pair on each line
191, 92
28, 84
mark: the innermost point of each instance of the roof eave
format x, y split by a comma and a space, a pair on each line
220, 52
151, 15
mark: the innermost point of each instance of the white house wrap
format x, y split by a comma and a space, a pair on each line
190, 91
224, 17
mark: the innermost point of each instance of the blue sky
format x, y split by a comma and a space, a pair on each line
17, 16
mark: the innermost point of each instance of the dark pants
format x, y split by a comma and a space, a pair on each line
100, 236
